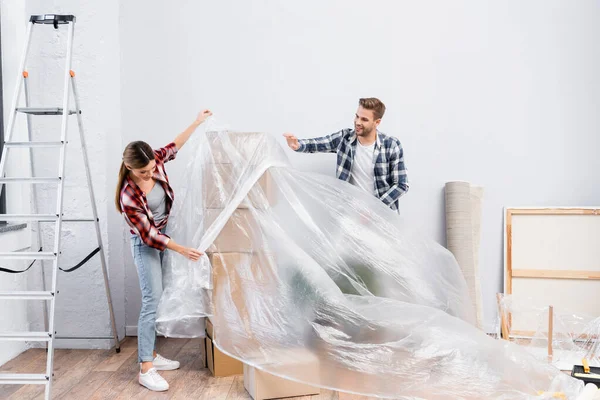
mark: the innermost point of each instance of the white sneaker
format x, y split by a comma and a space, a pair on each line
164, 364
153, 381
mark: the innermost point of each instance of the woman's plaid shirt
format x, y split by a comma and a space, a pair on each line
135, 206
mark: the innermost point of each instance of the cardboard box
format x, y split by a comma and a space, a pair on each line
220, 183
262, 385
257, 267
240, 234
217, 362
239, 278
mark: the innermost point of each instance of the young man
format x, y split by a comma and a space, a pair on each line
366, 158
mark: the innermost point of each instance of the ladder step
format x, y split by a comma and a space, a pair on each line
84, 337
29, 180
41, 218
26, 336
28, 255
52, 19
23, 379
33, 144
14, 295
44, 110
28, 217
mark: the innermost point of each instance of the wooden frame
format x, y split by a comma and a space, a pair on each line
554, 274
527, 273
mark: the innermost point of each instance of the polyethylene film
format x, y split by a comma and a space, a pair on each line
312, 279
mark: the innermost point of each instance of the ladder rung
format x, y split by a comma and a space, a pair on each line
23, 379
28, 255
84, 337
26, 336
33, 144
14, 295
41, 218
28, 217
44, 110
29, 180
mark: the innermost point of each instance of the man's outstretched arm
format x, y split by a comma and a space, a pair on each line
325, 144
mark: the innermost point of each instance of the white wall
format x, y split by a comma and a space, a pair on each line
503, 95
81, 306
13, 313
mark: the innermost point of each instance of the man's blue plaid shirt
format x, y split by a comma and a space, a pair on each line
391, 180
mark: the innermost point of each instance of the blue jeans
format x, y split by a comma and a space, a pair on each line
148, 262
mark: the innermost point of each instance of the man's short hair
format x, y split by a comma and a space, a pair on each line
374, 105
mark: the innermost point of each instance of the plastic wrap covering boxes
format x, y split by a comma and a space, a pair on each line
231, 156
240, 244
233, 159
262, 385
218, 363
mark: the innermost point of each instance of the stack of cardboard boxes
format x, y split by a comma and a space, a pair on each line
239, 243
218, 363
228, 152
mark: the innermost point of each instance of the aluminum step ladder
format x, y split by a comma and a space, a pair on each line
48, 296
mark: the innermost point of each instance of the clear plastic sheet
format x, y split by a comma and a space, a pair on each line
573, 336
311, 279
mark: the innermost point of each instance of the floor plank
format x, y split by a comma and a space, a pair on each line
64, 359
20, 364
195, 382
115, 360
238, 391
7, 390
214, 392
79, 372
117, 382
87, 386
23, 360
189, 357
328, 395
104, 375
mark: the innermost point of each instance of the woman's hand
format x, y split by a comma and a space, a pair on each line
183, 137
202, 116
187, 252
190, 253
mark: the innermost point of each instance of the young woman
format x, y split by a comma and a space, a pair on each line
144, 197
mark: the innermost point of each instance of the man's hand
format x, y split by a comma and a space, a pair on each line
202, 116
292, 141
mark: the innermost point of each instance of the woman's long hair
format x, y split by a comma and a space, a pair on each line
136, 155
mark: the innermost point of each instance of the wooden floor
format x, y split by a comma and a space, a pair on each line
104, 374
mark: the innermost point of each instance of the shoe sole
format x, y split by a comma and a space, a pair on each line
166, 368
153, 389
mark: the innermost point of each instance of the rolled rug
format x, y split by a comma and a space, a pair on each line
463, 235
